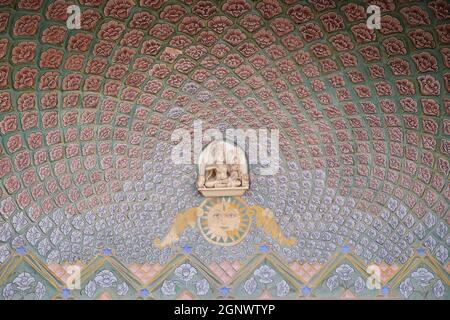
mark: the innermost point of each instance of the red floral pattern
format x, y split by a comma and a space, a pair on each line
312, 69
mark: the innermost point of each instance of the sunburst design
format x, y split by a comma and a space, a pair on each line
224, 221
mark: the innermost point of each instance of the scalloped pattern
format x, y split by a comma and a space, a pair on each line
86, 118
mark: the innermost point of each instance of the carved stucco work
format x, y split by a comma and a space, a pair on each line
222, 170
87, 181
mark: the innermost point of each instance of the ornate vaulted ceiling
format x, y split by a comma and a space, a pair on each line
86, 118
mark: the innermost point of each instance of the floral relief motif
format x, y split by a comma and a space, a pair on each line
390, 25
440, 8
168, 288
421, 39
186, 276
185, 272
24, 286
105, 279
264, 274
24, 52
53, 35
26, 26
25, 78
51, 59
141, 20
425, 62
265, 278
422, 282
119, 9
89, 19
344, 277
236, 8
429, 86
57, 10
269, 8
415, 16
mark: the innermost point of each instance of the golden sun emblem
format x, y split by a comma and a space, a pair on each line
224, 221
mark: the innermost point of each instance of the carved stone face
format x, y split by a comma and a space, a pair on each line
222, 219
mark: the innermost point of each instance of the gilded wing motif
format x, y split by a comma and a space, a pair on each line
182, 221
265, 219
